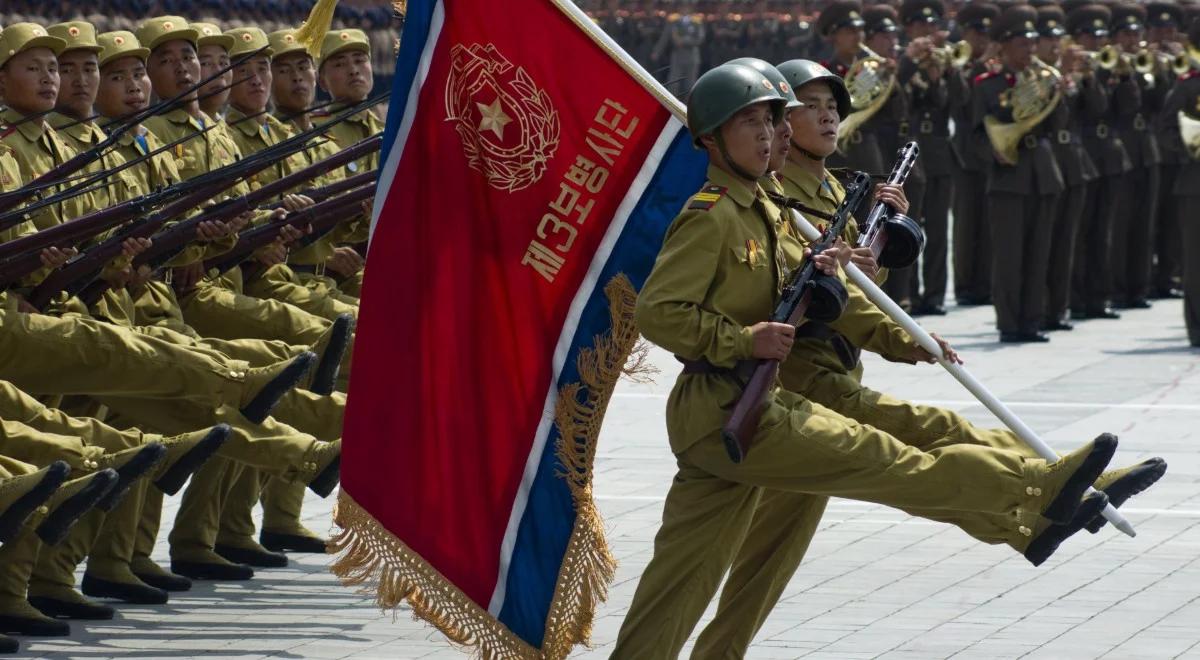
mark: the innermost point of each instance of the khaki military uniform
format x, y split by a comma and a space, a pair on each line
721, 270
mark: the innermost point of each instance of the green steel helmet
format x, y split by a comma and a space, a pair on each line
725, 90
801, 72
767, 69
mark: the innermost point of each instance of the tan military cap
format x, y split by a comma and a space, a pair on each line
211, 35
115, 45
246, 40
337, 41
284, 42
79, 35
154, 32
20, 37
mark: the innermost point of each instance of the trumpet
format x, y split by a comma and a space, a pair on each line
956, 55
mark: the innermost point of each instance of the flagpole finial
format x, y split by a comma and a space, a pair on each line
319, 21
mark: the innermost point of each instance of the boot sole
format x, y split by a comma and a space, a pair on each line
1138, 480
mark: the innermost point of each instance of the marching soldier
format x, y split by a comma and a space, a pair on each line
1163, 21
713, 500
972, 238
1023, 184
1091, 283
931, 83
1133, 234
1082, 100
1183, 105
212, 49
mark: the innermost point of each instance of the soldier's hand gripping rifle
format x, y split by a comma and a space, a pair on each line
327, 191
320, 216
810, 294
895, 239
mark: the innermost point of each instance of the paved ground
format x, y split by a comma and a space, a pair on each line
876, 583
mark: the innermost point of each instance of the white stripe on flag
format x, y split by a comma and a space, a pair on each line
561, 350
410, 111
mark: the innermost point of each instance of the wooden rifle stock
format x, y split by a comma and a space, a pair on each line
742, 425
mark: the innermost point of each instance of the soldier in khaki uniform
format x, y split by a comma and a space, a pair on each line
294, 87
719, 273
345, 73
212, 50
783, 523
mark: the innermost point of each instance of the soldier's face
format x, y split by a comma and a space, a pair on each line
29, 81
1090, 41
1018, 52
253, 92
213, 59
1048, 49
979, 41
918, 29
347, 76
814, 126
124, 88
780, 144
1129, 40
883, 43
1163, 34
747, 137
846, 42
80, 74
294, 84
173, 67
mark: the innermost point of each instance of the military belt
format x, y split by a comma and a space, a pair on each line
701, 366
847, 353
311, 269
1063, 136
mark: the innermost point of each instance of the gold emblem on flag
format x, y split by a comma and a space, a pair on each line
508, 126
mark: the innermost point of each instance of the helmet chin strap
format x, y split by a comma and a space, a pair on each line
806, 153
737, 169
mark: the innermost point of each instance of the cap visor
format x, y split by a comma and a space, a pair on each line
140, 53
187, 34
223, 40
53, 43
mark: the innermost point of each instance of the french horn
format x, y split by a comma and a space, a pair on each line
1034, 96
870, 83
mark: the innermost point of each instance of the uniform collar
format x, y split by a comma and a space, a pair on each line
31, 130
809, 184
83, 132
250, 127
181, 116
733, 186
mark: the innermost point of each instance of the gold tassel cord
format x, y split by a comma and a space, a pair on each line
371, 557
315, 27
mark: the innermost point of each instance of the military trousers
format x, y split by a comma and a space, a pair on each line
783, 522
972, 237
1091, 276
1063, 234
939, 196
282, 284
803, 447
1168, 266
1020, 258
1133, 236
1189, 227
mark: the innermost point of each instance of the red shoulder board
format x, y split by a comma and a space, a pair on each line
707, 198
983, 76
1192, 73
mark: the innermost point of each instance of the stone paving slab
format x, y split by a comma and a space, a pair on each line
876, 583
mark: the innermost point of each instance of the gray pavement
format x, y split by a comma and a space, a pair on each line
876, 583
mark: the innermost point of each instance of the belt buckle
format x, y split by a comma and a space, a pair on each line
168, 276
1139, 123
319, 269
1030, 141
1064, 136
926, 127
856, 137
904, 128
1102, 131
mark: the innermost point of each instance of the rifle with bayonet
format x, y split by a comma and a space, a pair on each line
810, 294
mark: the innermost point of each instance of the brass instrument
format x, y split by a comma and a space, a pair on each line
870, 82
956, 55
1107, 58
1189, 130
1032, 99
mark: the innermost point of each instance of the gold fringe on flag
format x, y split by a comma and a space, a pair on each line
370, 556
316, 26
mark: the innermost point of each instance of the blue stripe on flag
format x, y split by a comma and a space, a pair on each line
417, 22
549, 516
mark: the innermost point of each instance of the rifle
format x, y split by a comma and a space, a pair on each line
321, 216
325, 192
807, 294
894, 238
12, 199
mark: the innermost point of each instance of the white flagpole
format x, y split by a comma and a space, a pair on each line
985, 396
